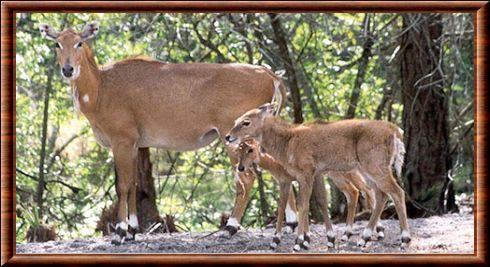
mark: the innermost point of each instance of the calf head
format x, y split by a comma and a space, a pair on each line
248, 155
249, 125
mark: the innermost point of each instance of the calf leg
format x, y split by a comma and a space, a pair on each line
321, 197
379, 205
284, 189
361, 184
391, 187
352, 195
305, 188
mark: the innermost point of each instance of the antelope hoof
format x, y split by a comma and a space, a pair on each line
346, 236
380, 228
302, 242
291, 225
406, 237
131, 233
275, 242
117, 240
381, 235
120, 235
361, 243
229, 231
330, 239
306, 242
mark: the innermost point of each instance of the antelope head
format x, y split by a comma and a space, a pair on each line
69, 47
248, 155
249, 125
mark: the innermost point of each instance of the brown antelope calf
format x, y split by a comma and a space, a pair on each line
309, 150
148, 103
348, 183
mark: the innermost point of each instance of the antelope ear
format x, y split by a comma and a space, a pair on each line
48, 32
90, 30
266, 109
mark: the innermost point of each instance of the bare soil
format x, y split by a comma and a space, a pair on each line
449, 233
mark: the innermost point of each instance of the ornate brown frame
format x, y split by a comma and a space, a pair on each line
8, 10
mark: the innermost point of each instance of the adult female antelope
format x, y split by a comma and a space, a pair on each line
309, 150
349, 183
147, 103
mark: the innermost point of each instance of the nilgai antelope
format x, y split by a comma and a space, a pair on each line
349, 184
310, 150
141, 102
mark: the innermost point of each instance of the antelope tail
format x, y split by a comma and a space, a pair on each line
279, 95
399, 155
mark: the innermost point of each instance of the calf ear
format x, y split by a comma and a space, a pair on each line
266, 109
48, 32
90, 30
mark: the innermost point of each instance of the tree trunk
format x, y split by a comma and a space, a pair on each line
146, 196
425, 112
361, 69
292, 80
41, 183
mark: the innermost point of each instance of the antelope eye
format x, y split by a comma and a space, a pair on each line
80, 44
250, 151
246, 123
58, 45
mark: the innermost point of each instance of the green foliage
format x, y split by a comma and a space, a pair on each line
198, 186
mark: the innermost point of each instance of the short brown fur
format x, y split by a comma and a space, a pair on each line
310, 150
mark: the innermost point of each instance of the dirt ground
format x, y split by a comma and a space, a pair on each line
450, 233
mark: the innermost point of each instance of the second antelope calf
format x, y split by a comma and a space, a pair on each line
307, 151
348, 183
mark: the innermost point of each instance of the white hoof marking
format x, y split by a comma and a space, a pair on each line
133, 221
367, 233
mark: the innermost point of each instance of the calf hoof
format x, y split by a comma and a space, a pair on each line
381, 235
275, 242
330, 239
303, 242
361, 242
117, 240
345, 237
231, 230
131, 233
380, 228
406, 237
292, 226
296, 247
